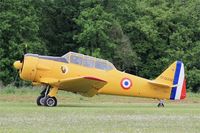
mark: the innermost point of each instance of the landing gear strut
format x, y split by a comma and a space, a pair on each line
45, 99
161, 103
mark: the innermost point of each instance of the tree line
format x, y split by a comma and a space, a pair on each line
141, 37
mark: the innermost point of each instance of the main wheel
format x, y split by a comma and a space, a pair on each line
50, 101
40, 100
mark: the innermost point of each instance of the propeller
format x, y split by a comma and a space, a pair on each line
19, 65
24, 52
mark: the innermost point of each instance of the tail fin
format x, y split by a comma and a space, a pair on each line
174, 76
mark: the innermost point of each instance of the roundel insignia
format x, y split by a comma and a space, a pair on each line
126, 83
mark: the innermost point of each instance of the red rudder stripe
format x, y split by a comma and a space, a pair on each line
183, 92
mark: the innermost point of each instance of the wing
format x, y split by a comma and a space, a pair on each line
87, 86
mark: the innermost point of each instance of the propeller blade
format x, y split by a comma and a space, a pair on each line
24, 52
25, 49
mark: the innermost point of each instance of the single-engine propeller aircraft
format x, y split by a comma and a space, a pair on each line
89, 76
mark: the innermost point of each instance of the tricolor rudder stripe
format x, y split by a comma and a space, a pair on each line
179, 83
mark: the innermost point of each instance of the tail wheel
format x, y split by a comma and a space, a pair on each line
41, 100
50, 101
161, 105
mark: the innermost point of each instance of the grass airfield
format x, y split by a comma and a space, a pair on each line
100, 114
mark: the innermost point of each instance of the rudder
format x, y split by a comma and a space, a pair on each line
179, 90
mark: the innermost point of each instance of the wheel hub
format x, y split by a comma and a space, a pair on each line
50, 102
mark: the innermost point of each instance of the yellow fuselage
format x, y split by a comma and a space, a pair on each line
35, 69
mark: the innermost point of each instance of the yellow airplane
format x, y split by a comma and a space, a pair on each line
89, 76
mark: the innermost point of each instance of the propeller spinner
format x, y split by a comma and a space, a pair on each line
18, 65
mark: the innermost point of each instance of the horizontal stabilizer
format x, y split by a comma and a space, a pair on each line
160, 84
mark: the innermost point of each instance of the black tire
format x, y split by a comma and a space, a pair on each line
50, 101
161, 105
40, 100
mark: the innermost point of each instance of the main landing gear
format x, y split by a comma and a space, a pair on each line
47, 97
161, 103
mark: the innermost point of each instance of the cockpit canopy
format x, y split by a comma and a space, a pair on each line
88, 61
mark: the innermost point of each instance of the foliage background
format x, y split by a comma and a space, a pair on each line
142, 37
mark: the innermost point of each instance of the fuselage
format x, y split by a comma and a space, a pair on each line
36, 67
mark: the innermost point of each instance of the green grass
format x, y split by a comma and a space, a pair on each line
100, 114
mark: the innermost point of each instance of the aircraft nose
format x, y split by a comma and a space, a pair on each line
17, 65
